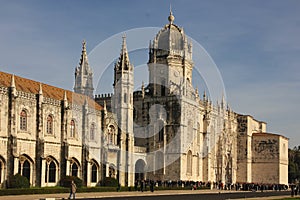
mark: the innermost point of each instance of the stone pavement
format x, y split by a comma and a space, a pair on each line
120, 194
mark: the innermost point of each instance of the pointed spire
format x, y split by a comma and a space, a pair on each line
204, 96
84, 58
41, 98
12, 83
65, 96
40, 89
84, 75
104, 107
171, 16
13, 86
196, 92
84, 45
123, 61
223, 101
124, 45
65, 100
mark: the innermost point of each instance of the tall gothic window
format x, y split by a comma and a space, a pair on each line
74, 169
92, 132
94, 173
49, 124
189, 163
72, 128
23, 120
50, 174
24, 169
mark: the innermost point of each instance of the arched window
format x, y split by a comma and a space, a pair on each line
72, 128
49, 124
189, 163
50, 174
92, 132
112, 172
23, 120
26, 169
74, 169
111, 135
94, 173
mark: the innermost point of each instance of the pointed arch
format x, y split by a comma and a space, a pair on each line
72, 128
49, 126
74, 167
26, 167
94, 171
51, 170
112, 135
112, 172
140, 166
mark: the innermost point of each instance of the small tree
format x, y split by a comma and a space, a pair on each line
66, 181
111, 182
18, 181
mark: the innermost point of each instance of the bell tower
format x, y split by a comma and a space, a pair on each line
123, 109
170, 62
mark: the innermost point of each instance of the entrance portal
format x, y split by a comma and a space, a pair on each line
140, 170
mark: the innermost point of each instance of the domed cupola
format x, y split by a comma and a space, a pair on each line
171, 40
170, 62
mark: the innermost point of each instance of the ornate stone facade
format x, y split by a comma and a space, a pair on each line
164, 131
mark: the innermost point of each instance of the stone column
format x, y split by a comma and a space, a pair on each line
68, 168
89, 169
16, 166
107, 170
44, 173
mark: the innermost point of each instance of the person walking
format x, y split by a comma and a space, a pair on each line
73, 188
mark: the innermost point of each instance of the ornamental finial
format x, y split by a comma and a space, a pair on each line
171, 16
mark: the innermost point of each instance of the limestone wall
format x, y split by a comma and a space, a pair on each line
269, 159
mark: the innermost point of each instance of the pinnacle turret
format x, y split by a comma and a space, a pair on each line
84, 75
123, 62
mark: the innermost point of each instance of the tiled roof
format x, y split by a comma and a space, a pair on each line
30, 86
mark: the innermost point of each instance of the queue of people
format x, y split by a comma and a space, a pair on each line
142, 185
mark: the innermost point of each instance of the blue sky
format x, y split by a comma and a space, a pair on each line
255, 45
